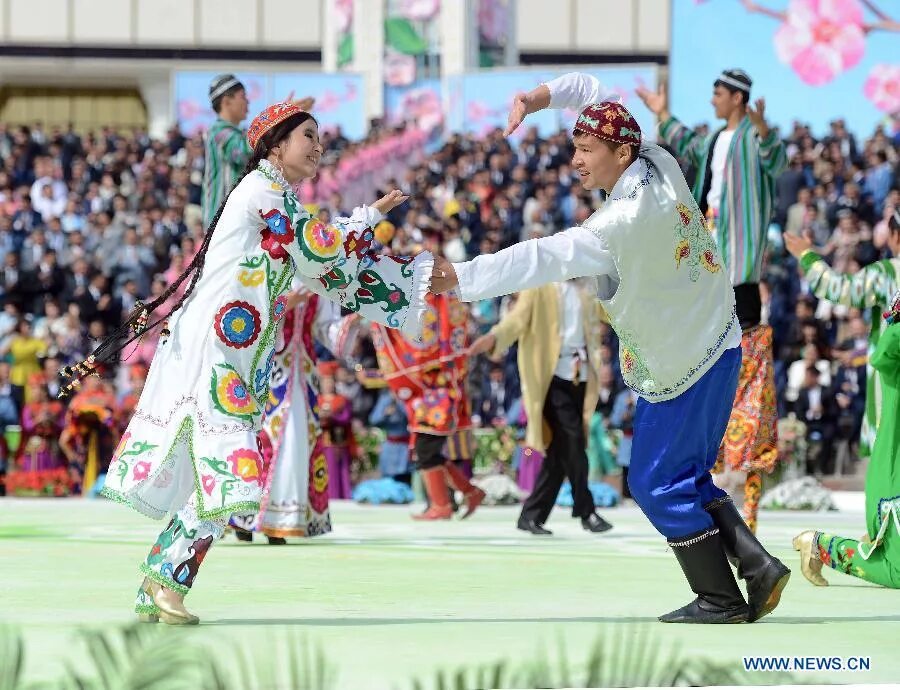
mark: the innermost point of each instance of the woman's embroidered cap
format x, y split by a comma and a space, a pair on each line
611, 121
268, 118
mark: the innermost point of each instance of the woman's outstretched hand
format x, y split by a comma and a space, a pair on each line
390, 201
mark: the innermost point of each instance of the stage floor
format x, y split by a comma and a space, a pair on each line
389, 600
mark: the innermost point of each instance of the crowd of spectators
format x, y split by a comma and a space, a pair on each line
91, 223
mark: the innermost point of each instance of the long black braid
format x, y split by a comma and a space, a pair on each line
137, 323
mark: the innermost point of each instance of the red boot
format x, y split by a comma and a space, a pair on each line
459, 481
435, 482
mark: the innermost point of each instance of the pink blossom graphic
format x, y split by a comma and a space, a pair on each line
399, 69
188, 109
422, 106
419, 10
140, 471
819, 39
882, 87
492, 20
343, 11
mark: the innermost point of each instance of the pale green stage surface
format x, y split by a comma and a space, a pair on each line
389, 599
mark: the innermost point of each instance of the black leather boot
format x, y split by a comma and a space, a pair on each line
766, 576
719, 600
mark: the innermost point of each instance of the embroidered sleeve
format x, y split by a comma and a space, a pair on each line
340, 260
867, 288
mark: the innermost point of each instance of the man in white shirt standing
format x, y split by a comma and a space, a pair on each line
557, 326
660, 279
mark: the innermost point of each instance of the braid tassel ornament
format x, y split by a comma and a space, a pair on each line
76, 372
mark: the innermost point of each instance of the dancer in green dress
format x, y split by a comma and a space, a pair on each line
877, 557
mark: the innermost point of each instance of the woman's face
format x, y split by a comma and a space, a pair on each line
301, 152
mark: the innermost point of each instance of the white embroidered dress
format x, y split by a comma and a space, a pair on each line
195, 426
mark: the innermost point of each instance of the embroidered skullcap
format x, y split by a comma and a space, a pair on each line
221, 84
611, 121
268, 118
736, 79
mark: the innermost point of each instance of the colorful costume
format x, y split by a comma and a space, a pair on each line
192, 444
295, 496
657, 273
40, 467
90, 435
738, 217
429, 378
337, 443
877, 559
869, 289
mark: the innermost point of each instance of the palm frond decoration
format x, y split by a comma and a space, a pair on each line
627, 657
12, 657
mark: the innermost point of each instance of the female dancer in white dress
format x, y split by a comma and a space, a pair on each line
190, 451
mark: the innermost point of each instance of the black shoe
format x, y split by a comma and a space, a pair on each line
277, 541
595, 523
533, 527
243, 534
766, 576
719, 600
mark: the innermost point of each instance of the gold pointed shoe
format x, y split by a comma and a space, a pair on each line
145, 602
810, 565
171, 606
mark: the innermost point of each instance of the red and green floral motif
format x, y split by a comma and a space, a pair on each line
358, 244
231, 395
335, 280
373, 290
693, 243
175, 530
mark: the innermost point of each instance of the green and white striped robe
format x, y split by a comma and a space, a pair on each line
871, 288
227, 153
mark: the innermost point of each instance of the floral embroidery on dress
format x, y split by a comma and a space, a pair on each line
279, 306
246, 464
358, 244
634, 369
231, 396
252, 278
238, 324
277, 233
321, 243
374, 290
694, 245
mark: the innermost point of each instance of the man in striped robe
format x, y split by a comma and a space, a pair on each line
737, 166
226, 147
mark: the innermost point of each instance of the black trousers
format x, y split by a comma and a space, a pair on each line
566, 456
429, 450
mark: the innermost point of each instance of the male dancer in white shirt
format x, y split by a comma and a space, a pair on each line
659, 277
